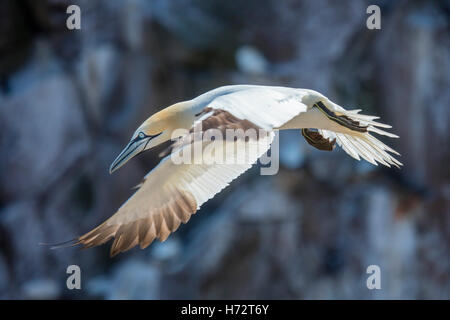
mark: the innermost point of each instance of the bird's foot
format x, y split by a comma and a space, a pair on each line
315, 139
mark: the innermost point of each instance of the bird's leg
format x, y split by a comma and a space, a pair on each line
340, 119
315, 139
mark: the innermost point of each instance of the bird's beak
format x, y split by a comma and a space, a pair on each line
131, 150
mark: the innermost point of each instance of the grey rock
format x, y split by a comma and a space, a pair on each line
43, 138
167, 250
24, 232
97, 74
266, 204
4, 279
132, 279
250, 60
41, 289
291, 151
334, 167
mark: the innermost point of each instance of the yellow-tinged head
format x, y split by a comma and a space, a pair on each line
154, 131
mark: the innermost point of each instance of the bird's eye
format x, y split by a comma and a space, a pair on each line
141, 135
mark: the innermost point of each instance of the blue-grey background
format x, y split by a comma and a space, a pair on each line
70, 100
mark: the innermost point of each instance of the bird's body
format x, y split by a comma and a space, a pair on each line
172, 192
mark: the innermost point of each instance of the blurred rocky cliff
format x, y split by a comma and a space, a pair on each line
70, 100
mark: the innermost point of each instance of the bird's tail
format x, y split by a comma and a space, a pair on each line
358, 142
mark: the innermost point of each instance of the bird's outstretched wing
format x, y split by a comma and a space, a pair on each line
266, 107
173, 191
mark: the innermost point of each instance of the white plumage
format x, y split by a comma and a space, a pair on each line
172, 192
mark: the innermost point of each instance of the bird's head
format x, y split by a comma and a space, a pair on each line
155, 130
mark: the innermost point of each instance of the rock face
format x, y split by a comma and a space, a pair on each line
31, 120
69, 100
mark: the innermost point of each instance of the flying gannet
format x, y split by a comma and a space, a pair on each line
172, 192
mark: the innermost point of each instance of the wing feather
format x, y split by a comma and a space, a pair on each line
172, 192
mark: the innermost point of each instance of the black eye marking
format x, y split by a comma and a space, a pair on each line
142, 135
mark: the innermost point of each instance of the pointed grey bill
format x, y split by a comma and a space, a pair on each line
132, 149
